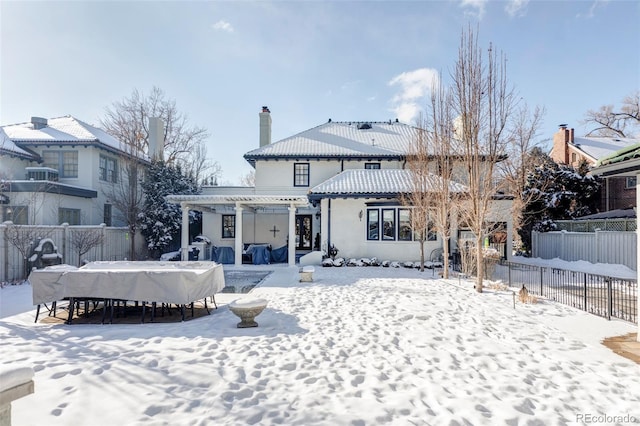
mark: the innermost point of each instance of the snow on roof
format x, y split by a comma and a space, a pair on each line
343, 139
373, 181
6, 144
61, 129
601, 147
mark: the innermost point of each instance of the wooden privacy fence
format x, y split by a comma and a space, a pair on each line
616, 247
115, 245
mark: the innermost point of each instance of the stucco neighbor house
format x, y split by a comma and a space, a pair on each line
619, 192
335, 184
61, 170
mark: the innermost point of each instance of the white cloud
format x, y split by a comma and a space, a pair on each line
413, 88
516, 8
592, 9
474, 7
222, 26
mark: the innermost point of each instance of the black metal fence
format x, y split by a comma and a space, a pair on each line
605, 296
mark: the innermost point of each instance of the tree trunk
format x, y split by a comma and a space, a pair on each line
445, 256
479, 265
421, 255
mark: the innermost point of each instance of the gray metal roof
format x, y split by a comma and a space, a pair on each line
342, 139
374, 181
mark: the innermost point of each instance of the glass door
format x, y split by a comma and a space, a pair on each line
303, 232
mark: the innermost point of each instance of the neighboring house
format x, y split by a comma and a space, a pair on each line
336, 184
59, 170
624, 163
618, 192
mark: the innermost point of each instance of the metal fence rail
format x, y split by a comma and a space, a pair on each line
601, 295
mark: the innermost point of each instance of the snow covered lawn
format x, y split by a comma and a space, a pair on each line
362, 345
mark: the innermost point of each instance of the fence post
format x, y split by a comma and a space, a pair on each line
609, 298
541, 279
103, 229
509, 273
65, 236
584, 276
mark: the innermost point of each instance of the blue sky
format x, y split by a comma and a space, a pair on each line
308, 61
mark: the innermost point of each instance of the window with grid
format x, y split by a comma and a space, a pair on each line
630, 182
372, 166
108, 169
301, 174
70, 216
65, 162
228, 226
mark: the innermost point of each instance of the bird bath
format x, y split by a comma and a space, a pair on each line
247, 310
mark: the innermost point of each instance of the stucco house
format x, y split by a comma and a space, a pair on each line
61, 170
619, 192
337, 184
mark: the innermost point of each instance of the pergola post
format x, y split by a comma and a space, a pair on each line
292, 235
184, 249
238, 240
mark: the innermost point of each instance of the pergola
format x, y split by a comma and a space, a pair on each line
239, 203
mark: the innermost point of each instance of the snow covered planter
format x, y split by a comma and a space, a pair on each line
15, 382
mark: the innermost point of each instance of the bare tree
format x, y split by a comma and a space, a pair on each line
184, 144
84, 240
518, 164
249, 179
611, 122
201, 168
444, 195
420, 186
483, 102
122, 187
23, 238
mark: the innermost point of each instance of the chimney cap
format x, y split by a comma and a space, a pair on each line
563, 125
265, 109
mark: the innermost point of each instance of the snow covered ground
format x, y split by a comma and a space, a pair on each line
358, 346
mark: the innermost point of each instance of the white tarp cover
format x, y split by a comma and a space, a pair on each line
165, 282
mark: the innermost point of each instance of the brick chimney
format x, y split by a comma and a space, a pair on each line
156, 138
561, 139
265, 126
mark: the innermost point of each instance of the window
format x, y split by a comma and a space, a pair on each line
70, 216
107, 215
373, 224
631, 182
372, 166
388, 224
228, 226
301, 174
574, 157
108, 169
17, 214
65, 162
404, 225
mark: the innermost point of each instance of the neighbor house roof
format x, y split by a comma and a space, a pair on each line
65, 130
601, 147
372, 183
354, 140
9, 147
623, 162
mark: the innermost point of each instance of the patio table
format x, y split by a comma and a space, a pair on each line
179, 283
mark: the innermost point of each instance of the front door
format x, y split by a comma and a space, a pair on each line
303, 232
